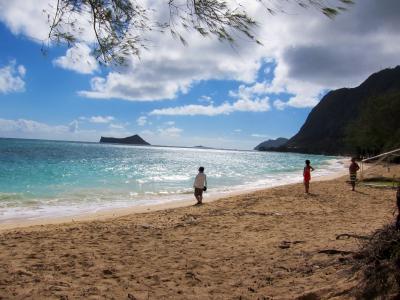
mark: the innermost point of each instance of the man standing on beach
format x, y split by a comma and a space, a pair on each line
354, 167
200, 185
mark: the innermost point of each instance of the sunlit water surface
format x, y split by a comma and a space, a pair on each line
51, 178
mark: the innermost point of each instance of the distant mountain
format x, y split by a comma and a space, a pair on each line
371, 110
132, 140
271, 144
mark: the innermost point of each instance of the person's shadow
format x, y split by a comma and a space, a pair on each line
362, 193
311, 195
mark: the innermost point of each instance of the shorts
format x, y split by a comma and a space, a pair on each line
353, 177
198, 192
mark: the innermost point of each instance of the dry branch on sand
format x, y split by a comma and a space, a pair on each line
379, 265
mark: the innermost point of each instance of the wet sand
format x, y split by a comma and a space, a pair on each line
276, 243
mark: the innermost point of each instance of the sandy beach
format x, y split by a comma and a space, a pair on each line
276, 243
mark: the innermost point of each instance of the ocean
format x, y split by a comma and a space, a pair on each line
42, 179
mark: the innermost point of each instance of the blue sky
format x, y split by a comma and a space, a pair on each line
203, 94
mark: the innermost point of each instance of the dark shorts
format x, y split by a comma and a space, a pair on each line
198, 192
353, 177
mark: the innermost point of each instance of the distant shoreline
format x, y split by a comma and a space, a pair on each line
132, 145
166, 146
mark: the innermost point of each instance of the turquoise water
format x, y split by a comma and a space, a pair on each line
52, 178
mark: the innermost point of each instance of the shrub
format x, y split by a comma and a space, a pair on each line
379, 264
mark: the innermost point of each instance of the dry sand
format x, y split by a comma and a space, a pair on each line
261, 245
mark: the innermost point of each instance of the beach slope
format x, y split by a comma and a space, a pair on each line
277, 243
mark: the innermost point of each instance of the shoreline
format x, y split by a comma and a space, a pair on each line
110, 213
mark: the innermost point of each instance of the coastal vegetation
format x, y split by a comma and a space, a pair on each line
377, 128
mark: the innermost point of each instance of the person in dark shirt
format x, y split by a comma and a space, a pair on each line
354, 167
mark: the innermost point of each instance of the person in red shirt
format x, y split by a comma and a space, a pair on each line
307, 175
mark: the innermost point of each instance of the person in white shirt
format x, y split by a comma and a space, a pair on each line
200, 185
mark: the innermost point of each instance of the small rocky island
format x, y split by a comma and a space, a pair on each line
131, 140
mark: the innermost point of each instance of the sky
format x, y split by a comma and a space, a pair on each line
206, 93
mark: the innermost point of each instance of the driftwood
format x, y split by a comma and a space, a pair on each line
349, 235
335, 252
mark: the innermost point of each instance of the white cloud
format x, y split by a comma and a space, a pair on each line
206, 99
73, 126
101, 119
104, 120
169, 123
11, 78
173, 69
301, 94
116, 126
32, 129
78, 59
312, 53
30, 19
141, 121
26, 17
170, 131
163, 134
237, 130
163, 73
257, 135
147, 132
21, 70
29, 126
279, 104
241, 105
24, 128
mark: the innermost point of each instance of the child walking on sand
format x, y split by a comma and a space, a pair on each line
200, 185
307, 175
354, 167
